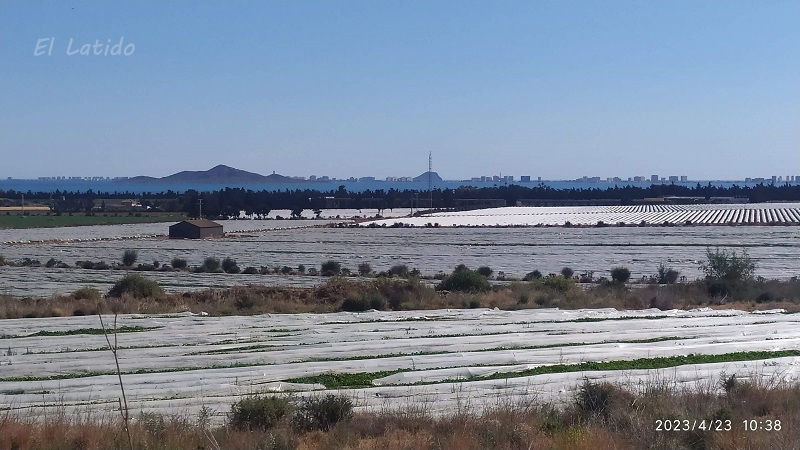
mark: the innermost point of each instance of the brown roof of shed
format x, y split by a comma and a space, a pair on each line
202, 223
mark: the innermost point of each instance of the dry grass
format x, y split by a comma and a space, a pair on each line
602, 416
398, 294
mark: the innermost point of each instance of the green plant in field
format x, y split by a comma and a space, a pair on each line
178, 263
229, 265
210, 264
666, 275
486, 271
129, 257
322, 413
620, 275
87, 293
136, 286
330, 268
399, 270
258, 412
534, 275
727, 271
567, 272
464, 281
557, 283
364, 269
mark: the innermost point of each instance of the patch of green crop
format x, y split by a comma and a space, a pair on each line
90, 331
363, 379
641, 363
344, 380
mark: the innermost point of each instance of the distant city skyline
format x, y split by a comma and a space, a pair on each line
654, 178
567, 89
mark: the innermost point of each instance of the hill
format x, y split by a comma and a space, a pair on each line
424, 177
220, 174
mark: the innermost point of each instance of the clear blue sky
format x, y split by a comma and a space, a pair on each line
558, 89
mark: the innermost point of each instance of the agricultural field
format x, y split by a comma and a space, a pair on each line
53, 221
712, 214
439, 359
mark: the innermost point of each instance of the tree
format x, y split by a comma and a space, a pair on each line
620, 274
666, 275
726, 271
364, 269
330, 268
567, 272
724, 265
129, 257
229, 265
486, 271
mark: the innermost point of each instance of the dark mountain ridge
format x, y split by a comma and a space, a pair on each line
219, 174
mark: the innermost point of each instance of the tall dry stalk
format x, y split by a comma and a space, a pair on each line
123, 402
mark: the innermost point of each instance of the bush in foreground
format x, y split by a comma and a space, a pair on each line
136, 286
322, 413
258, 412
87, 293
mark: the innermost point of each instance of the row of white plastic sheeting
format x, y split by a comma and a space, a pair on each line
761, 213
183, 362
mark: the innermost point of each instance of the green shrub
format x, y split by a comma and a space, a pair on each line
178, 263
667, 275
461, 268
136, 286
486, 271
2, 260
620, 274
129, 257
258, 412
399, 270
210, 264
595, 398
356, 304
535, 275
567, 272
726, 271
464, 281
364, 269
301, 268
322, 413
87, 293
250, 270
229, 265
557, 283
330, 268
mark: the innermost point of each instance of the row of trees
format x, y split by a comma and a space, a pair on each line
228, 202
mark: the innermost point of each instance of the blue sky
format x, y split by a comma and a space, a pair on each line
558, 89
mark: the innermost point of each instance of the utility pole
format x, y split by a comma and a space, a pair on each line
200, 200
430, 178
23, 204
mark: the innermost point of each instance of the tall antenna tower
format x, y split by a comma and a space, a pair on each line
430, 178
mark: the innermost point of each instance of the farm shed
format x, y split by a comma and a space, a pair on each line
195, 229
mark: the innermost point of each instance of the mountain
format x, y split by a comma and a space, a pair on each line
220, 174
424, 177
